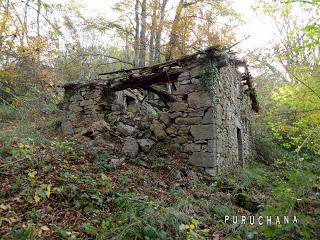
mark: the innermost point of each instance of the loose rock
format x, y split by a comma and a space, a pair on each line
146, 144
116, 162
130, 147
159, 132
179, 106
126, 130
199, 100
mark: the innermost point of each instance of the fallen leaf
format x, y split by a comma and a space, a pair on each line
5, 207
45, 228
37, 199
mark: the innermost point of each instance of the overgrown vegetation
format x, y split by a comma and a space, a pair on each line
58, 191
209, 77
50, 188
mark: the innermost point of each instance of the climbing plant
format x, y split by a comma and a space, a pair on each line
210, 74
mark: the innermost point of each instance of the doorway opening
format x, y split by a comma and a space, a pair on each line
240, 147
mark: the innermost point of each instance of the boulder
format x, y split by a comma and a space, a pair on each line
116, 162
196, 72
199, 100
202, 159
100, 125
208, 116
165, 118
196, 113
181, 139
184, 76
182, 89
126, 130
191, 147
146, 144
178, 106
159, 132
172, 130
148, 110
175, 114
195, 81
130, 147
183, 129
67, 128
202, 132
211, 172
188, 120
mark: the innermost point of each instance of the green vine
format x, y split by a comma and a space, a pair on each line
210, 73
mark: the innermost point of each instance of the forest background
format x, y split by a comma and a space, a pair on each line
44, 44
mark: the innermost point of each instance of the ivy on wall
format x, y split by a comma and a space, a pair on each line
210, 74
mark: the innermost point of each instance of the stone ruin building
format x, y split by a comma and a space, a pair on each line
201, 105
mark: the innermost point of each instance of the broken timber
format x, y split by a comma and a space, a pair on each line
168, 72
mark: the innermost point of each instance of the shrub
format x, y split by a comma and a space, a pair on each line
267, 149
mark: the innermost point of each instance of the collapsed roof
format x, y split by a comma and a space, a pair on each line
168, 72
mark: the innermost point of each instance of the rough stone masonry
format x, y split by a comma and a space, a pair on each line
201, 105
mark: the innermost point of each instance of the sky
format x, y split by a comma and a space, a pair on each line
259, 27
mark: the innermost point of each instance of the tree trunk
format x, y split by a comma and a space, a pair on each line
142, 55
38, 17
174, 31
173, 42
158, 33
127, 48
136, 36
152, 32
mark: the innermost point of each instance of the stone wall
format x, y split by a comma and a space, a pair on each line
209, 123
233, 121
84, 110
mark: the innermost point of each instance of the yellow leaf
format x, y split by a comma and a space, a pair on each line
192, 226
39, 233
48, 192
5, 207
37, 199
32, 174
8, 220
195, 222
45, 228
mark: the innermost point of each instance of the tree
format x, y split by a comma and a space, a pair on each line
293, 102
26, 53
136, 35
159, 28
194, 25
143, 42
152, 32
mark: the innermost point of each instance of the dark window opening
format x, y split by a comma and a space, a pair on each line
240, 147
129, 100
